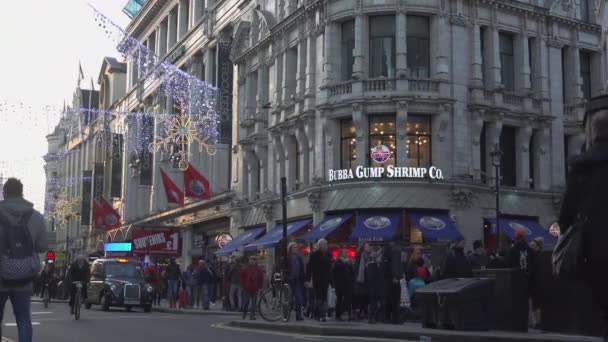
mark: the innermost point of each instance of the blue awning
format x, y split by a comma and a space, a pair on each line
435, 227
531, 228
376, 227
326, 227
244, 238
276, 235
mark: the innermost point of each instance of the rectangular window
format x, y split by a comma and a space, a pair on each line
419, 140
507, 71
382, 131
508, 161
482, 41
585, 60
483, 157
117, 158
382, 46
584, 7
348, 45
531, 159
146, 162
532, 58
418, 46
348, 144
564, 90
298, 163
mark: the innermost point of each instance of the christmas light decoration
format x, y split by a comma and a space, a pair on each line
65, 208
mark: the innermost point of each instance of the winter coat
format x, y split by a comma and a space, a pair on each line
457, 265
152, 276
12, 209
319, 269
393, 267
587, 192
343, 277
296, 269
234, 273
375, 280
478, 261
252, 278
521, 256
173, 272
205, 277
76, 273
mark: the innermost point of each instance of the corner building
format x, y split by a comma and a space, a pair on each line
328, 86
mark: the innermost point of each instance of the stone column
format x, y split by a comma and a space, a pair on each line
476, 129
183, 18
361, 51
278, 81
362, 135
576, 79
543, 72
556, 145
441, 140
402, 111
493, 131
244, 171
321, 144
522, 158
309, 131
210, 66
476, 65
253, 173
542, 140
289, 67
311, 64
289, 150
162, 41
279, 161
301, 67
401, 44
171, 32
262, 154
522, 48
328, 75
494, 61
304, 155
442, 68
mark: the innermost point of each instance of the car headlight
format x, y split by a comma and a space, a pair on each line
149, 288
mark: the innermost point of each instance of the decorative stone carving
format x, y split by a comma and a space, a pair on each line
268, 211
462, 198
403, 105
459, 20
356, 107
314, 199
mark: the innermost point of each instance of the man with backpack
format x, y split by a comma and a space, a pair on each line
22, 238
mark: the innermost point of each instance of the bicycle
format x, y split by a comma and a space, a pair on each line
275, 302
77, 299
46, 295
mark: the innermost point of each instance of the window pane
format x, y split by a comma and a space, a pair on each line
506, 61
348, 144
585, 60
382, 26
382, 46
418, 26
418, 57
382, 130
418, 140
508, 161
348, 44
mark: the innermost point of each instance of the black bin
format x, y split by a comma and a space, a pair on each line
509, 303
458, 303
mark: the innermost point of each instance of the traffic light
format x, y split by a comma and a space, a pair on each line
50, 257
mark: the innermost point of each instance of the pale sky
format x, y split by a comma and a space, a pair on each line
42, 42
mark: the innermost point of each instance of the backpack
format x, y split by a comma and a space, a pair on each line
19, 264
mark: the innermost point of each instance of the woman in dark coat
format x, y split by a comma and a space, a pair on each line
376, 285
343, 277
360, 294
319, 271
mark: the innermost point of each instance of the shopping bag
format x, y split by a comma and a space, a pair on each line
405, 296
331, 297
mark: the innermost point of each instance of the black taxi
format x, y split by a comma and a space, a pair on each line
118, 282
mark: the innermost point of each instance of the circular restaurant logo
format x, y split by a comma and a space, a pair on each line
516, 226
432, 223
222, 240
381, 154
377, 222
330, 224
196, 187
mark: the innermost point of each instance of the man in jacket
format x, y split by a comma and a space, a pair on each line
78, 272
319, 269
586, 196
457, 264
393, 273
205, 279
252, 280
13, 208
235, 289
174, 275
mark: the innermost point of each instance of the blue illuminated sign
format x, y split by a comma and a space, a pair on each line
117, 247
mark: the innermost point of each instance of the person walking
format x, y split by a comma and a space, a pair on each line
29, 230
205, 279
361, 300
191, 281
153, 279
235, 290
376, 287
479, 260
174, 276
585, 198
535, 283
319, 271
457, 264
252, 281
343, 279
296, 278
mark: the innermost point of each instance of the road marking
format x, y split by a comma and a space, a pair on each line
15, 324
6, 339
42, 313
304, 336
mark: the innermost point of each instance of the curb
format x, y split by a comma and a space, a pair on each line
415, 334
52, 301
195, 312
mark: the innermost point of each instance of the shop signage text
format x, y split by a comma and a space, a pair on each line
391, 171
156, 242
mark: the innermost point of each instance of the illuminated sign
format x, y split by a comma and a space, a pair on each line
390, 171
117, 247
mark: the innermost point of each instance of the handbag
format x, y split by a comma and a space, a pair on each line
568, 258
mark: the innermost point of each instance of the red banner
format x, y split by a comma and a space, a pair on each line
156, 242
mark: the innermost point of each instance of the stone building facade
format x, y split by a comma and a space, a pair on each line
321, 84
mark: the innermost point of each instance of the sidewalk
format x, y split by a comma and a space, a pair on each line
407, 331
214, 310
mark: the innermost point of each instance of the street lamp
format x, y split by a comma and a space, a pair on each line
496, 155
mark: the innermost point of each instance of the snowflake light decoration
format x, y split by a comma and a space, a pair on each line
180, 131
65, 208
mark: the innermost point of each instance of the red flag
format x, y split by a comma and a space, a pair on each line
98, 216
111, 217
196, 185
174, 194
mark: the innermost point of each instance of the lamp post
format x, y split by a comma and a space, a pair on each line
496, 155
284, 207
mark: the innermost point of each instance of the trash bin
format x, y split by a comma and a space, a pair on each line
509, 303
458, 303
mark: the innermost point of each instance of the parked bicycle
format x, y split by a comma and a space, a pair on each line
275, 302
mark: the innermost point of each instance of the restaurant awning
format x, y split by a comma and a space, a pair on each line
530, 227
376, 226
435, 227
244, 238
276, 235
326, 227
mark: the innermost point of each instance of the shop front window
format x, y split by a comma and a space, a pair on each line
382, 46
348, 144
382, 140
418, 140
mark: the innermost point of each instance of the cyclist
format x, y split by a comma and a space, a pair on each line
46, 277
78, 271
